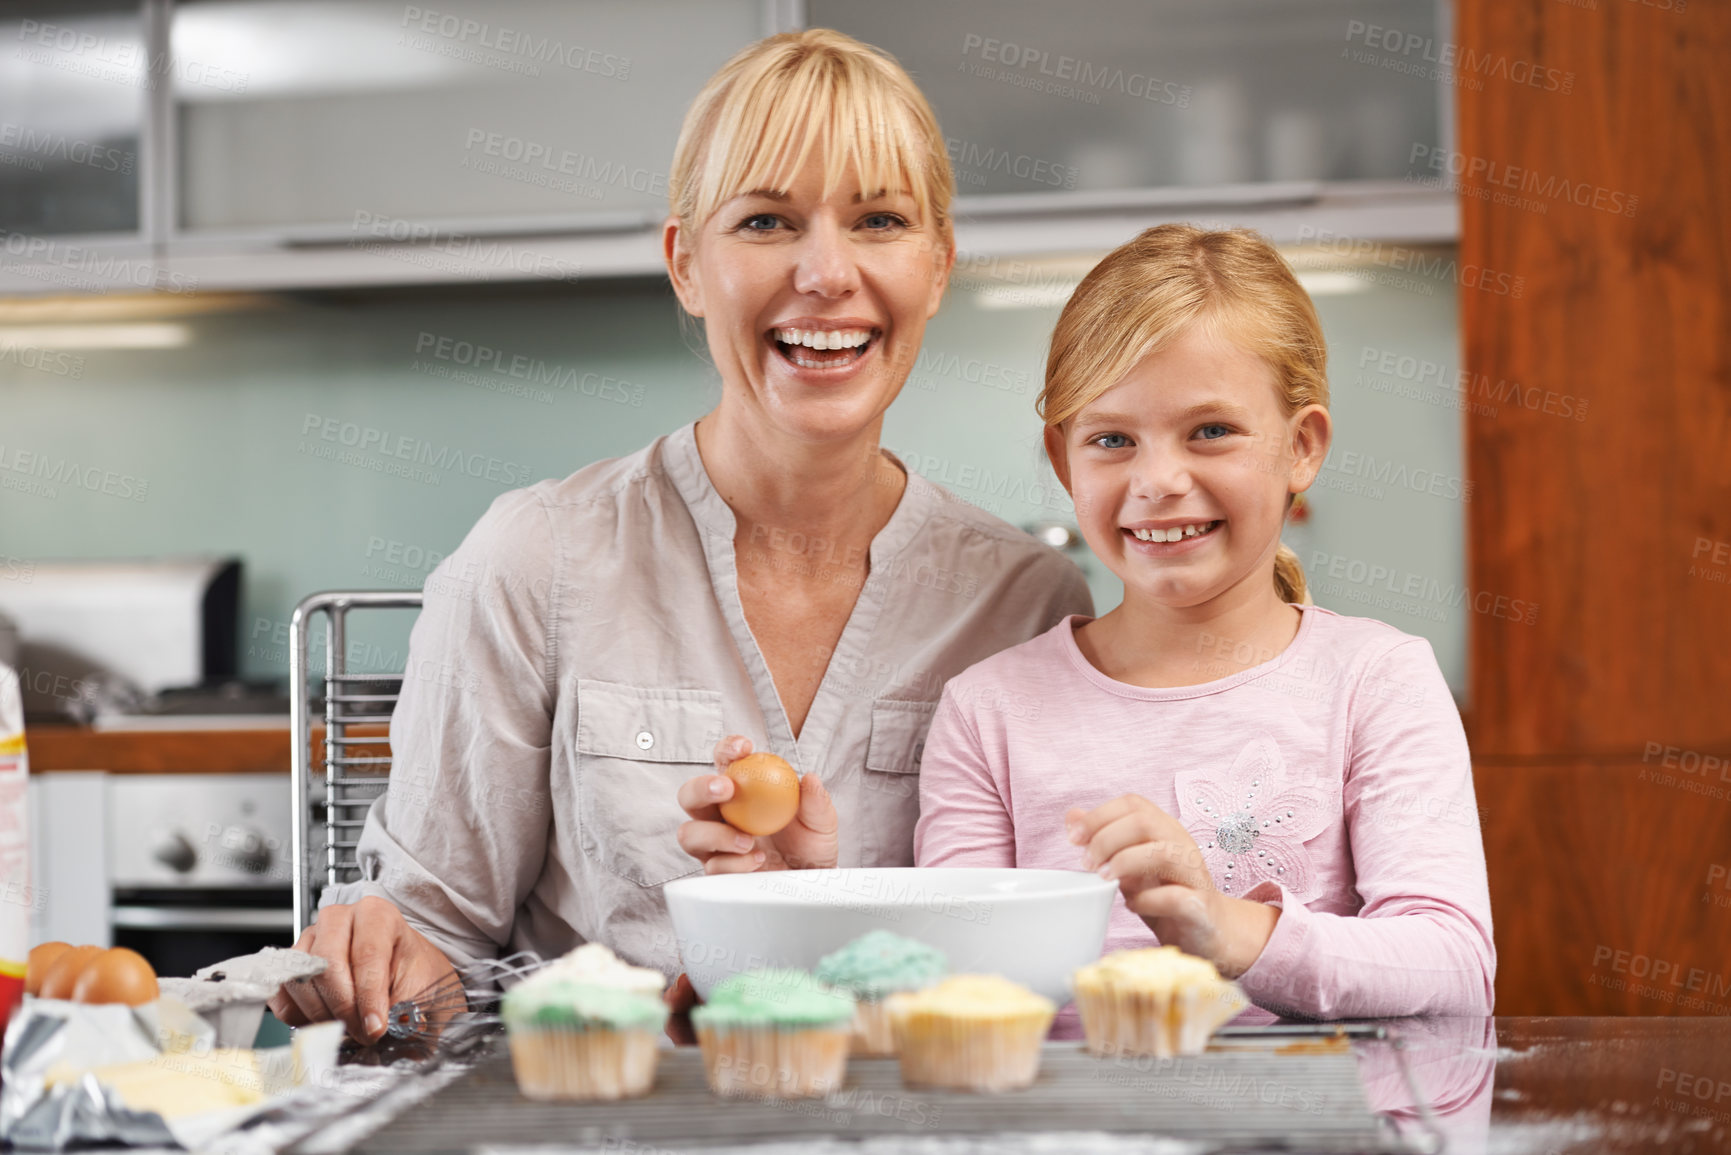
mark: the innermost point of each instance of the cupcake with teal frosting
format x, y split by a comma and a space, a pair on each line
873, 967
779, 1033
586, 1028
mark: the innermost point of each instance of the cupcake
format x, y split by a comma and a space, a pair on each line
586, 1026
774, 1032
1156, 1001
596, 966
970, 1032
873, 967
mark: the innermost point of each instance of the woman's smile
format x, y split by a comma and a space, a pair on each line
824, 351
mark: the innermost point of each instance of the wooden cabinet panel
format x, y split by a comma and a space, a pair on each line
1601, 732
1607, 205
1610, 885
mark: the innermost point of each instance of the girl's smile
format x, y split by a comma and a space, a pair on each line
1167, 540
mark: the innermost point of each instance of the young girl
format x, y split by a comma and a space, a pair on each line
1275, 787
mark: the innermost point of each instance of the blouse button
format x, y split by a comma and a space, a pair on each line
645, 739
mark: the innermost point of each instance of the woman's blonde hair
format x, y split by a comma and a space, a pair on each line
759, 118
1145, 293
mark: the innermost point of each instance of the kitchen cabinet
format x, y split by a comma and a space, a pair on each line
1166, 93
309, 143
68, 858
322, 120
1599, 728
72, 84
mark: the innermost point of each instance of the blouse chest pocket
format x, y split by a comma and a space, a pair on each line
635, 745
891, 780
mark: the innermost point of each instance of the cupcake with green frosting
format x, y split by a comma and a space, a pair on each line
778, 1033
593, 1034
873, 967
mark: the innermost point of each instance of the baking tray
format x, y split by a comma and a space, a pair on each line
1248, 1092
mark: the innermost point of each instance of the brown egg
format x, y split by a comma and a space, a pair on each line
765, 794
41, 958
117, 976
60, 976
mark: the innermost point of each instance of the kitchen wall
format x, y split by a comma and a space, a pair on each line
274, 428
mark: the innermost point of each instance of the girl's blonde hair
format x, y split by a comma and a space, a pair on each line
759, 118
1145, 293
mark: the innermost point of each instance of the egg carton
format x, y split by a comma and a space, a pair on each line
231, 995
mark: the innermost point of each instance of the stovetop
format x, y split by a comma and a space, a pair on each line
233, 705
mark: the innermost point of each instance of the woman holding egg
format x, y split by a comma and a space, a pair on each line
768, 574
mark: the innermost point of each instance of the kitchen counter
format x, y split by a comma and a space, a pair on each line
61, 746
1517, 1085
1508, 1085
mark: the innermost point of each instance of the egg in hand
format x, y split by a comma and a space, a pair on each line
765, 794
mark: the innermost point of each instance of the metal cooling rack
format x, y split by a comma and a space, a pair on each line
1248, 1097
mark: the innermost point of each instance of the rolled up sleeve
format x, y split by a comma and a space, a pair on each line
460, 836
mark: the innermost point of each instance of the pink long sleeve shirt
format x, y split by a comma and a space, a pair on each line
1331, 780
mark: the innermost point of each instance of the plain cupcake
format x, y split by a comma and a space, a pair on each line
873, 967
971, 1033
774, 1032
586, 1026
1153, 1001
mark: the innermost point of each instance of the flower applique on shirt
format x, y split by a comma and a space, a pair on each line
1252, 821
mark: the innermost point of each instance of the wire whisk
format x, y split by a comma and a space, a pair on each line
450, 1015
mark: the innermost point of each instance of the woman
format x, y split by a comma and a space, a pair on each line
768, 574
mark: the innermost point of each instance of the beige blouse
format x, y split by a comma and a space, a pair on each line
580, 654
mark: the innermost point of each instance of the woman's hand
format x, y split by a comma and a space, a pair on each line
806, 843
1163, 877
375, 959
680, 998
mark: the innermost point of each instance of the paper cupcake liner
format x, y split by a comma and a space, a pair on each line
970, 1054
873, 1033
802, 1063
1123, 1021
566, 1063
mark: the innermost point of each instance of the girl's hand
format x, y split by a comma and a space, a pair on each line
809, 842
1160, 871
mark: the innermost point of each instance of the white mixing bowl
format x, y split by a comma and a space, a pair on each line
1033, 926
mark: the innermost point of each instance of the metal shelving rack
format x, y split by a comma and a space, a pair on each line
352, 781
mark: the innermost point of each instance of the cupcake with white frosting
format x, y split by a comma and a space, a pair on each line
586, 1026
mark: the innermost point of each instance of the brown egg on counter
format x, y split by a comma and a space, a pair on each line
765, 794
60, 976
118, 975
41, 958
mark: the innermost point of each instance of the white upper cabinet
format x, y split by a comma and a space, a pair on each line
317, 115
1038, 96
73, 78
252, 144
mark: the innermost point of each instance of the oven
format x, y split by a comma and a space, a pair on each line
199, 866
